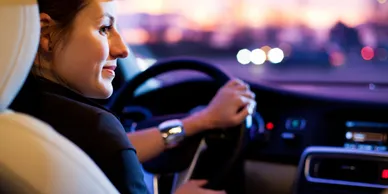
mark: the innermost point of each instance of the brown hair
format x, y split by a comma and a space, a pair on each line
63, 12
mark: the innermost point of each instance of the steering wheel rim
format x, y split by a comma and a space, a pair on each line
126, 93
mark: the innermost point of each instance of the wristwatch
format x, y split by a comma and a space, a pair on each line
172, 132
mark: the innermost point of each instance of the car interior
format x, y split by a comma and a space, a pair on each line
304, 137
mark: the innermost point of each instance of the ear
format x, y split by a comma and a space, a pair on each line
46, 27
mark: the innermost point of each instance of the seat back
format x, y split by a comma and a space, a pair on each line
33, 157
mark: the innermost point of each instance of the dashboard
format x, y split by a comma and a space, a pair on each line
286, 122
370, 136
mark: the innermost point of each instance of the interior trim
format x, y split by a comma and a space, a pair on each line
333, 150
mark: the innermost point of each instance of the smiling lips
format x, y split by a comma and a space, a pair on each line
110, 70
109, 67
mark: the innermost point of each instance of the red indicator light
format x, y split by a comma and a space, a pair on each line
269, 126
384, 174
367, 53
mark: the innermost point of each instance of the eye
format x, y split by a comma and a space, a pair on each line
105, 29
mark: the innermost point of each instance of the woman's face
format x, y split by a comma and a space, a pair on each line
89, 56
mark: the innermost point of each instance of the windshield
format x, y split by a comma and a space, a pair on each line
282, 40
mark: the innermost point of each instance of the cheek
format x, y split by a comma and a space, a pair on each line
84, 54
100, 49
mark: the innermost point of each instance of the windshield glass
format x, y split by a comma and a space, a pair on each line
282, 40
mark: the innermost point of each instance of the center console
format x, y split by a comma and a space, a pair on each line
338, 170
370, 136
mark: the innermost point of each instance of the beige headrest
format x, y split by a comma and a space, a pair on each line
19, 40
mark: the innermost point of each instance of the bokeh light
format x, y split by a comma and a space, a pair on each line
275, 55
244, 56
367, 53
258, 57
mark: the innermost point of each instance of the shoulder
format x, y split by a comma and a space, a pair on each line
89, 127
66, 105
86, 124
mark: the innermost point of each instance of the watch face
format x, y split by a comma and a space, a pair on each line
175, 130
170, 124
175, 133
173, 139
172, 132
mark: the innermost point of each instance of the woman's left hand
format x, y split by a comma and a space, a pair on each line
230, 106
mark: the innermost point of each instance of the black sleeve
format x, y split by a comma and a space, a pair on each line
110, 134
117, 157
123, 170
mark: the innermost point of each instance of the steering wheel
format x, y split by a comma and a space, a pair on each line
234, 137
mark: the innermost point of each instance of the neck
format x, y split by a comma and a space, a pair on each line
45, 73
49, 75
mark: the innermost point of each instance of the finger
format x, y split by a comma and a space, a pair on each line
198, 183
248, 94
252, 107
241, 115
247, 110
241, 84
241, 87
208, 191
242, 101
234, 83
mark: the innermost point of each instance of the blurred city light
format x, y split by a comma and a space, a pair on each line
337, 58
258, 57
244, 56
367, 53
297, 33
275, 55
173, 35
266, 49
136, 36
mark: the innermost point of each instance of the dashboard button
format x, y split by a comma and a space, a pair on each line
291, 139
295, 124
381, 148
288, 136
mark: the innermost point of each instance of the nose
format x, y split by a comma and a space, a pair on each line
118, 48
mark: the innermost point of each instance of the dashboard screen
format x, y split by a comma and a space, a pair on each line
370, 136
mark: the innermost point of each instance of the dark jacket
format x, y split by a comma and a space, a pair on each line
90, 126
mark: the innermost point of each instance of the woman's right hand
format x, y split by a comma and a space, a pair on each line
195, 187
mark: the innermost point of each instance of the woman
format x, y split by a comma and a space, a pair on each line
77, 55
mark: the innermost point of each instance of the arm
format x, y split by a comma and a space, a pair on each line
229, 107
149, 143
